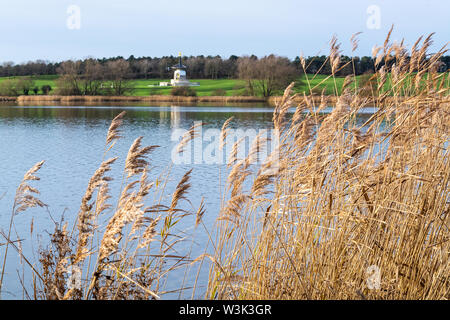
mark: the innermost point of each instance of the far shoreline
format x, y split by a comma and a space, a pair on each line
29, 100
40, 99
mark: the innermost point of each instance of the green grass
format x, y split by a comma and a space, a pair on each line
232, 87
39, 81
318, 82
142, 86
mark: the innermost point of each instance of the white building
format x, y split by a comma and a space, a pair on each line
180, 77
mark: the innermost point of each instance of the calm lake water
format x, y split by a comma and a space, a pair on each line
71, 140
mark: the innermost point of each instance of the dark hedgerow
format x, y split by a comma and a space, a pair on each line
183, 92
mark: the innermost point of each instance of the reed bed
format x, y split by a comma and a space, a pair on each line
7, 99
153, 98
129, 257
342, 210
273, 101
350, 210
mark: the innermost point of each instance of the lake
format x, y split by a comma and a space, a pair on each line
71, 140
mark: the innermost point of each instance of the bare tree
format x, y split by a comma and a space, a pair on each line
213, 67
246, 71
70, 80
87, 77
196, 66
92, 77
144, 66
119, 72
266, 75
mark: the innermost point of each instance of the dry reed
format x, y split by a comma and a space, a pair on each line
350, 198
124, 267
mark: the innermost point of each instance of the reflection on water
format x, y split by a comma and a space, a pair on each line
71, 140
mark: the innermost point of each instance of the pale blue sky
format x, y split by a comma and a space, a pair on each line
37, 29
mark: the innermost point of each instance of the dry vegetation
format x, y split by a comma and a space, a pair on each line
120, 260
341, 197
26, 100
346, 197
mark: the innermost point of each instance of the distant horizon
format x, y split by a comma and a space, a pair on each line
326, 54
435, 47
59, 30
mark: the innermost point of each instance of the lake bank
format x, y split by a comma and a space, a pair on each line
144, 100
27, 100
128, 99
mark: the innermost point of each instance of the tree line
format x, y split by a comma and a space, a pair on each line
263, 76
200, 67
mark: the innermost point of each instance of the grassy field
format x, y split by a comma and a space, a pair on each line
208, 87
227, 87
232, 87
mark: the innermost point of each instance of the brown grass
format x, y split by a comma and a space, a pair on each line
347, 198
115, 262
125, 99
95, 100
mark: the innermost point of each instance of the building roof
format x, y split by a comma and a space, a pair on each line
179, 65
